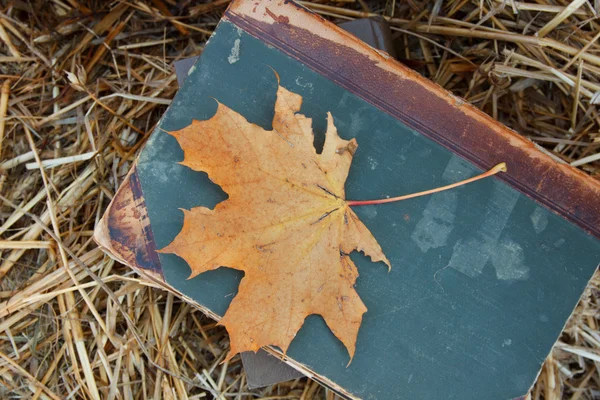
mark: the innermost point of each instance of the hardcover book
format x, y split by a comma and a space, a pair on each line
483, 277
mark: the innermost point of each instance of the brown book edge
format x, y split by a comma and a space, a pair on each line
123, 231
422, 105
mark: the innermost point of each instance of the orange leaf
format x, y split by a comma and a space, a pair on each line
286, 224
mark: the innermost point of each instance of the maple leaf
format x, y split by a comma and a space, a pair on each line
286, 224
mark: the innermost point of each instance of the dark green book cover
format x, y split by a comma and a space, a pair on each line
483, 277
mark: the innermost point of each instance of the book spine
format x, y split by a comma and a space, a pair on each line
423, 106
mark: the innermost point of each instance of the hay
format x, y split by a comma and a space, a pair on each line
75, 324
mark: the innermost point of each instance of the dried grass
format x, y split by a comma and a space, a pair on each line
75, 324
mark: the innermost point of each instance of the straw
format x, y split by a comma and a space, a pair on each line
83, 84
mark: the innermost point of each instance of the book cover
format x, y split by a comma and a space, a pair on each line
483, 277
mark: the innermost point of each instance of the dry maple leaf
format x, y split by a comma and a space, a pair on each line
286, 224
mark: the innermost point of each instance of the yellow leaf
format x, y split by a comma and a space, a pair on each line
286, 224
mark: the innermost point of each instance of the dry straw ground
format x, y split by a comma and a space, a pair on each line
533, 65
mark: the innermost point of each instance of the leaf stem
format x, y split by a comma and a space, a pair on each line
498, 168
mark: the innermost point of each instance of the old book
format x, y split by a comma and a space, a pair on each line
484, 277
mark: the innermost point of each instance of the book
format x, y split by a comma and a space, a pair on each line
483, 277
